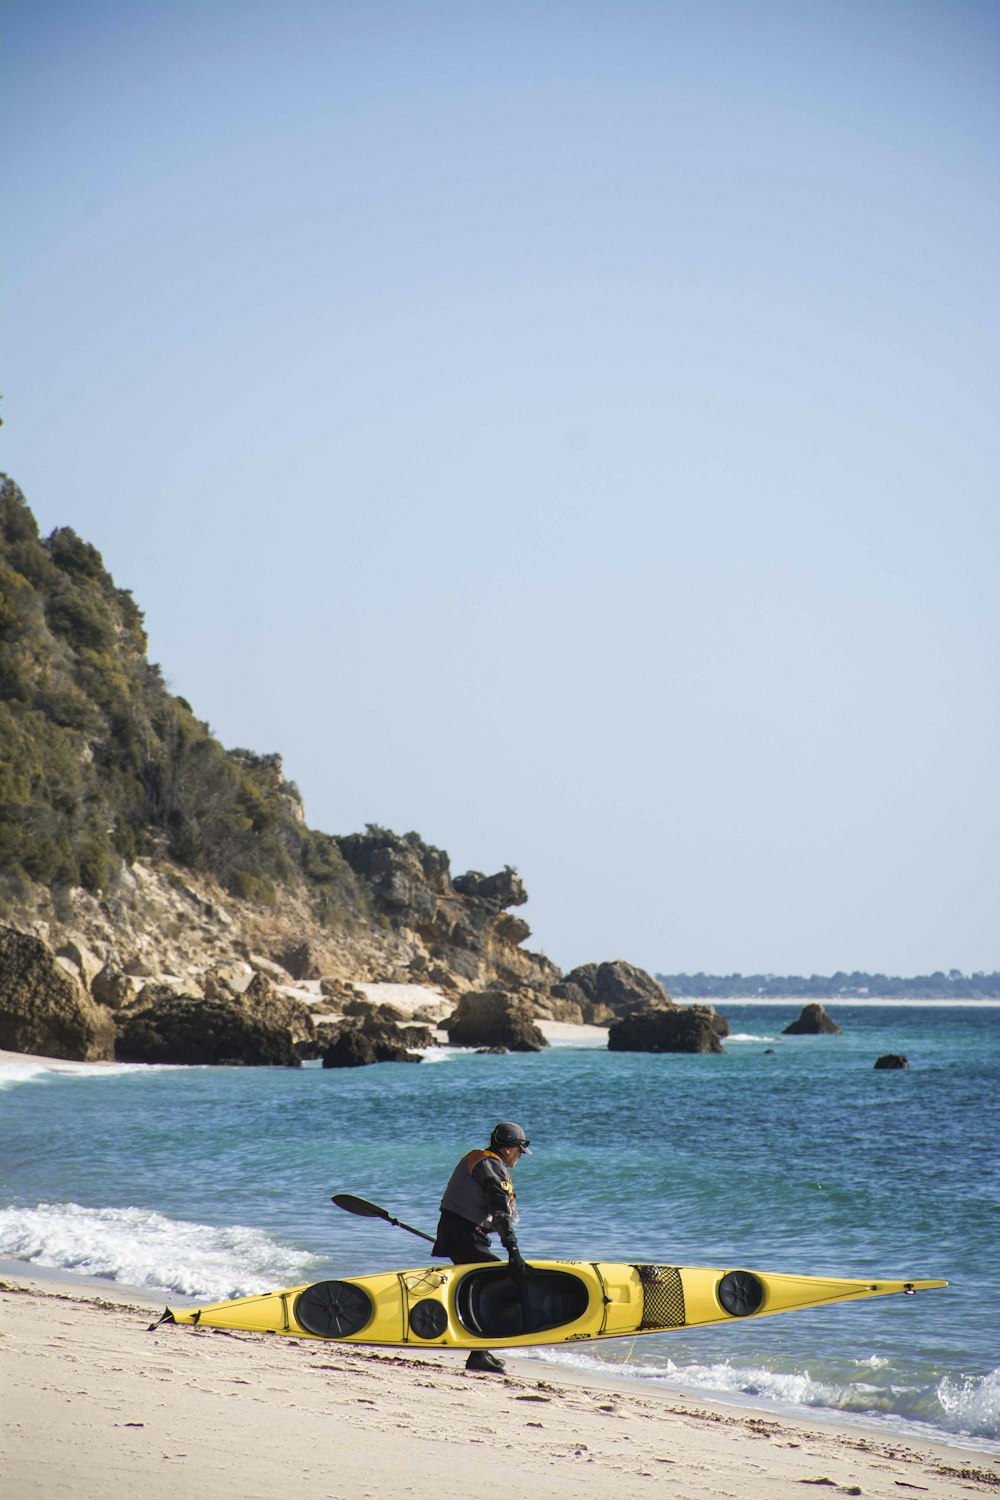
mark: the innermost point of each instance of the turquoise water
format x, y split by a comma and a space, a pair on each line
784, 1154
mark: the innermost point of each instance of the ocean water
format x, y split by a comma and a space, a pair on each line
783, 1154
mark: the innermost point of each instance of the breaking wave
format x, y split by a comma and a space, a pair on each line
968, 1406
139, 1248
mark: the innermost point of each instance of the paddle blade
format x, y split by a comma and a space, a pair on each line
359, 1206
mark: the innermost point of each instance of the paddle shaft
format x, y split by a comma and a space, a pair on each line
366, 1210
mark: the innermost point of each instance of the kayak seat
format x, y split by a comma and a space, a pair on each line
496, 1305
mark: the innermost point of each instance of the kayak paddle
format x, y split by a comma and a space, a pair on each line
366, 1210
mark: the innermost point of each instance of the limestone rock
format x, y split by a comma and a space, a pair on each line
360, 1006
552, 1008
674, 1029
301, 960
432, 1015
813, 1021
277, 973
494, 1018
565, 989
598, 1015
511, 929
618, 986
502, 890
390, 1012
217, 984
417, 1036
332, 988
267, 1004
43, 1009
183, 1029
114, 988
84, 959
371, 1039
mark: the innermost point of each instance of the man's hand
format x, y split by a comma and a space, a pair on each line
518, 1265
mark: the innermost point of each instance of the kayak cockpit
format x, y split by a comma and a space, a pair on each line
493, 1304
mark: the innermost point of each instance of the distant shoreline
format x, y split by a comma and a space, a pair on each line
789, 1001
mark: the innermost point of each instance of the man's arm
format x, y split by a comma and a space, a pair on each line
494, 1179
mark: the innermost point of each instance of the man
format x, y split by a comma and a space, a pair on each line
478, 1201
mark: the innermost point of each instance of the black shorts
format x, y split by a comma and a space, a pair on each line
461, 1241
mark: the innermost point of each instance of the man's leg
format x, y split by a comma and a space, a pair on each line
464, 1248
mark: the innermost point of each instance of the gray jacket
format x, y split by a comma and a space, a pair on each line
481, 1191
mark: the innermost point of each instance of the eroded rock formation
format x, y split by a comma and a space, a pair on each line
695, 1028
372, 1038
494, 1018
43, 1009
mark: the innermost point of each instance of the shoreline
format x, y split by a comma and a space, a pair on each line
247, 1415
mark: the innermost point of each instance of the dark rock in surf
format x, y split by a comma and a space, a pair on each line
676, 1029
372, 1039
417, 1036
251, 1031
892, 1060
813, 1021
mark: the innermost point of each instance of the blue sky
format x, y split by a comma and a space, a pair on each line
566, 430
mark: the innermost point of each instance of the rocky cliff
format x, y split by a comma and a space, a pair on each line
162, 882
129, 834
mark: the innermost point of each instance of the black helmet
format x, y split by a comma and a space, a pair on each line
509, 1134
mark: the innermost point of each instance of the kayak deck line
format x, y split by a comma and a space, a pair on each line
481, 1306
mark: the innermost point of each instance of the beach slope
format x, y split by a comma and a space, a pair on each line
96, 1407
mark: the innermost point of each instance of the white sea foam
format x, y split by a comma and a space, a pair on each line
972, 1403
42, 1069
968, 1407
140, 1248
747, 1036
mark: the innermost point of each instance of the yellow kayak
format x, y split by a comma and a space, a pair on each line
557, 1301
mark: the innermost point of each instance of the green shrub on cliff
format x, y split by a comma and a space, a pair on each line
99, 762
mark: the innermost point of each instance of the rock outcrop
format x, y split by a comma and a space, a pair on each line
257, 1029
43, 1009
359, 1042
675, 1029
457, 932
813, 1021
494, 1018
892, 1060
113, 988
612, 989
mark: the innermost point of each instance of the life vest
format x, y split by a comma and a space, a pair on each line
464, 1195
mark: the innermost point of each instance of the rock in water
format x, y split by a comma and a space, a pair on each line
494, 1018
184, 1029
678, 1029
44, 1009
813, 1021
373, 1039
892, 1060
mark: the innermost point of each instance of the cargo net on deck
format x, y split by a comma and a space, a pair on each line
662, 1297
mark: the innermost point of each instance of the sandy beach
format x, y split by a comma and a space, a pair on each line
96, 1407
